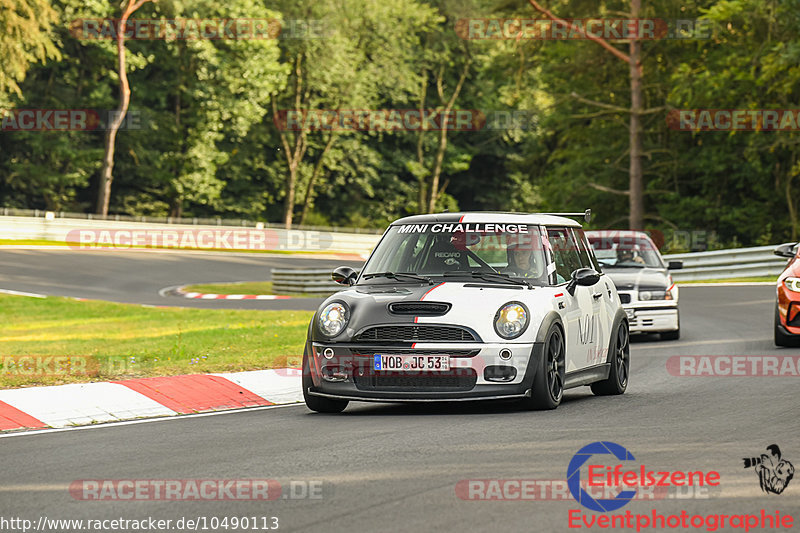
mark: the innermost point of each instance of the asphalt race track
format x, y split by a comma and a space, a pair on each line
138, 276
395, 467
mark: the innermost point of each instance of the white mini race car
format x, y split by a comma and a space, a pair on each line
469, 306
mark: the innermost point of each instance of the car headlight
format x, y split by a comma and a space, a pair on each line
655, 295
793, 284
333, 319
511, 320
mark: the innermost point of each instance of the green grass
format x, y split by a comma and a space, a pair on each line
732, 280
242, 287
117, 341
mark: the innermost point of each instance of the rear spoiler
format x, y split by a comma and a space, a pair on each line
587, 215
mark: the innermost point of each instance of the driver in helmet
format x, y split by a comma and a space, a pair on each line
626, 255
522, 261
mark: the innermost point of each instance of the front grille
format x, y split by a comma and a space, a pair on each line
625, 298
462, 379
370, 352
416, 333
795, 321
644, 322
419, 308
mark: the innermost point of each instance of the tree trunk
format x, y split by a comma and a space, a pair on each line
635, 176
106, 172
437, 170
422, 189
636, 185
310, 189
288, 204
293, 156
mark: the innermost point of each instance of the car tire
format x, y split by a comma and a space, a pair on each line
548, 384
315, 403
781, 338
617, 381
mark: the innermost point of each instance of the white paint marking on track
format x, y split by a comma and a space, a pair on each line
700, 343
20, 293
729, 284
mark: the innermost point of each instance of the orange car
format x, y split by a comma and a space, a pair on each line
787, 308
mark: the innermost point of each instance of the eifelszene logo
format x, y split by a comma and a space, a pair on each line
629, 480
774, 472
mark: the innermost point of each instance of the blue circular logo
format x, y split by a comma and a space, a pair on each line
574, 476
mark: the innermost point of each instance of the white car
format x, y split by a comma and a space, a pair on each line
646, 289
469, 306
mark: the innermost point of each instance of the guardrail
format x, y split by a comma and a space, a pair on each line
733, 263
311, 281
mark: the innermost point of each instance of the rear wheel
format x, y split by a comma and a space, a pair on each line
548, 385
617, 380
315, 403
781, 338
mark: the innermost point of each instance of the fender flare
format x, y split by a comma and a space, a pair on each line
538, 346
619, 317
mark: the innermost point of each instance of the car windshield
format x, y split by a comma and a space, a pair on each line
460, 250
625, 251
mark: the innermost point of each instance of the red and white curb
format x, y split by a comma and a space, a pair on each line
178, 291
204, 296
91, 403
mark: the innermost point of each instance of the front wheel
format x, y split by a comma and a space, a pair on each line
548, 385
617, 380
315, 403
781, 338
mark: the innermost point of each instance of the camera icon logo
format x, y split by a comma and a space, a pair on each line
774, 472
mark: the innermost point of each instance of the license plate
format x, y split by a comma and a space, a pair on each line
430, 363
631, 314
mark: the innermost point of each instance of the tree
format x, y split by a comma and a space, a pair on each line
25, 38
365, 60
635, 190
106, 172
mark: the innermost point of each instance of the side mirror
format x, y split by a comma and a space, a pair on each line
344, 275
786, 250
585, 277
675, 265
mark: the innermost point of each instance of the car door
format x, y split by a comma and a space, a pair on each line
604, 301
581, 311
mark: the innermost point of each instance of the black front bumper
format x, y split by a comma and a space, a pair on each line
450, 389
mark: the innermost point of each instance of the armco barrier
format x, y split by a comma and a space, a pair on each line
722, 264
733, 263
58, 229
312, 281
